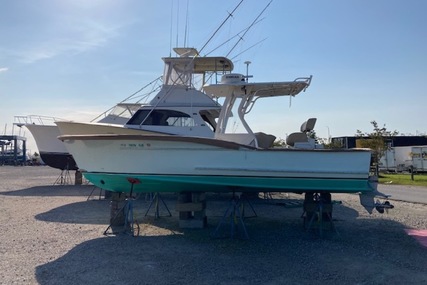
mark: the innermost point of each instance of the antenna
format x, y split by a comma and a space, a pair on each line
186, 27
236, 35
170, 32
177, 25
257, 43
253, 23
220, 26
247, 69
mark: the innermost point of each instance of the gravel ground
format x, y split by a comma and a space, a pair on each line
53, 235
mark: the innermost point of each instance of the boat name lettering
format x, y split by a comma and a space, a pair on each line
133, 145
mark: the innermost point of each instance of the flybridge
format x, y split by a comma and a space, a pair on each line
180, 70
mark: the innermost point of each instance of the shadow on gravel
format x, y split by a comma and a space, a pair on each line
280, 255
96, 211
87, 212
53, 190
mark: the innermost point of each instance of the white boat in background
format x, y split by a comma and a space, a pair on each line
229, 162
52, 151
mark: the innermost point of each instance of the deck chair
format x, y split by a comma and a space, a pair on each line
301, 137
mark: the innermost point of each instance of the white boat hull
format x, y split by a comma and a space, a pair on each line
170, 163
81, 128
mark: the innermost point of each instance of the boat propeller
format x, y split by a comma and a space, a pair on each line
381, 207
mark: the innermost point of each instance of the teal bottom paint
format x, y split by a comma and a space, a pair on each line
168, 183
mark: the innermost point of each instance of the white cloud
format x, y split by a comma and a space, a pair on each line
80, 37
3, 69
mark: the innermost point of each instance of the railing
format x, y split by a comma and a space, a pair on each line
35, 119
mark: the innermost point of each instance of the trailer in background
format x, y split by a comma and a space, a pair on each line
404, 158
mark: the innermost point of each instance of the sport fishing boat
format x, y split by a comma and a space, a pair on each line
228, 162
179, 108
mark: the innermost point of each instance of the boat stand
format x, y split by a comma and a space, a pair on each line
234, 216
318, 212
131, 225
248, 202
93, 190
156, 199
64, 178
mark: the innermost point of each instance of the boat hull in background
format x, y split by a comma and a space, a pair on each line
52, 151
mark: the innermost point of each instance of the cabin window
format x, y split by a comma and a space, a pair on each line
162, 118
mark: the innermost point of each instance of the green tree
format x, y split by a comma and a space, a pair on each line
376, 141
331, 144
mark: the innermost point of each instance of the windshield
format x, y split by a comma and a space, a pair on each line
162, 118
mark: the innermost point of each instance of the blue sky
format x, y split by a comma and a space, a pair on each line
75, 59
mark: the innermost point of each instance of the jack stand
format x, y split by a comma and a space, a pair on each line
155, 199
318, 206
250, 205
131, 225
93, 190
64, 178
234, 213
